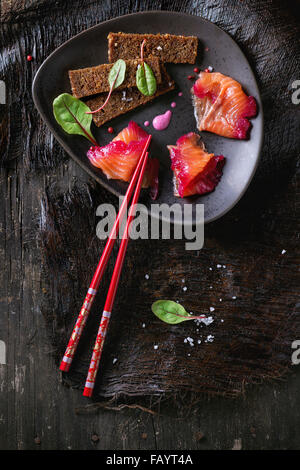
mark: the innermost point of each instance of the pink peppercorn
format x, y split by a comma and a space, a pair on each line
196, 70
110, 130
29, 58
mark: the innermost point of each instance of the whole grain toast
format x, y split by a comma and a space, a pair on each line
93, 80
122, 101
167, 47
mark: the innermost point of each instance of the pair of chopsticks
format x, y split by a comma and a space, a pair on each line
66, 362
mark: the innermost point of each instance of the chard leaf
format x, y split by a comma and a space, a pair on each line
145, 80
117, 74
171, 312
71, 115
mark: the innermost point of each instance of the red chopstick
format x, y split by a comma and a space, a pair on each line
92, 291
94, 364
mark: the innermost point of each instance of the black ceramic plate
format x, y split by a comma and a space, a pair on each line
216, 48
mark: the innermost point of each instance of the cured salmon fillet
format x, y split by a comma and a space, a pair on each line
195, 170
221, 106
119, 158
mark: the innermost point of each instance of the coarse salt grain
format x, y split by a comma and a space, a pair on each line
210, 68
143, 325
220, 300
199, 341
184, 288
159, 48
283, 251
183, 281
210, 269
222, 321
207, 321
155, 346
210, 339
233, 297
114, 360
211, 309
219, 265
147, 276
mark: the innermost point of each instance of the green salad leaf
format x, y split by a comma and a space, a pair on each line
117, 74
71, 115
172, 312
145, 80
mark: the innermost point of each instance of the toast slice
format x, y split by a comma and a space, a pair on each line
122, 101
167, 47
93, 80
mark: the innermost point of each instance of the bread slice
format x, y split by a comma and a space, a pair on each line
93, 80
167, 47
123, 101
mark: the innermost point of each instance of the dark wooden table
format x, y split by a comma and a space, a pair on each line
36, 410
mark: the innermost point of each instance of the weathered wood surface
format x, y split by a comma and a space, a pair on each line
249, 240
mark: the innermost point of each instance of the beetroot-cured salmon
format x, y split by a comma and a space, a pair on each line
119, 158
221, 106
195, 170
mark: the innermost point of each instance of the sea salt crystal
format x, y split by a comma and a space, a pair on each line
159, 48
115, 360
283, 251
210, 339
189, 340
233, 297
143, 325
155, 346
199, 341
224, 266
207, 321
219, 266
170, 83
189, 354
211, 309
184, 288
147, 276
222, 321
210, 269
183, 281
210, 287
210, 68
220, 300
123, 95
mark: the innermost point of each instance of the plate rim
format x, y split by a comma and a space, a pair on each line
87, 170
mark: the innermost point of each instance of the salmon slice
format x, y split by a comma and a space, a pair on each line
119, 158
130, 133
195, 170
221, 106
